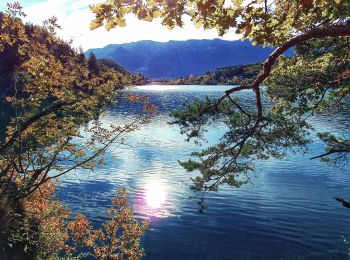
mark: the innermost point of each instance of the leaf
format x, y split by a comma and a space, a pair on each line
198, 24
237, 2
157, 13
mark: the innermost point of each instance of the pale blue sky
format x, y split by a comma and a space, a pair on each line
74, 17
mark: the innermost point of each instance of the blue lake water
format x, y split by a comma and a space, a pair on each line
287, 212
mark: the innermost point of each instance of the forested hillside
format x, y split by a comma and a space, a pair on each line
240, 74
12, 58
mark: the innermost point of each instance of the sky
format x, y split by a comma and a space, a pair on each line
74, 17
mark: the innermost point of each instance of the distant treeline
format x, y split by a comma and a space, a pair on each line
239, 74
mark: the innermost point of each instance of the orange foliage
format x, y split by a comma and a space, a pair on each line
119, 238
148, 106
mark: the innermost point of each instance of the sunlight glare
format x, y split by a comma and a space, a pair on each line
157, 87
155, 194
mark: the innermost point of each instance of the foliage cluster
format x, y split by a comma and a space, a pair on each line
264, 22
45, 229
52, 91
54, 97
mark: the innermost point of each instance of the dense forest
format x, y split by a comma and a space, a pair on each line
239, 74
11, 59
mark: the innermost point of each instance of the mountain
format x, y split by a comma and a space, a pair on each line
174, 59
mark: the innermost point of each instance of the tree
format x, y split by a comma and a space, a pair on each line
55, 99
92, 63
52, 94
45, 229
315, 79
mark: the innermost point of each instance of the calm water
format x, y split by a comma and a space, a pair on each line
288, 212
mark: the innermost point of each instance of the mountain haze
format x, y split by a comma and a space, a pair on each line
174, 59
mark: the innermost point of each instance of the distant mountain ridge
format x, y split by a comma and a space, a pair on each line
174, 59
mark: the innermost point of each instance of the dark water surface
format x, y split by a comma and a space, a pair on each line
288, 212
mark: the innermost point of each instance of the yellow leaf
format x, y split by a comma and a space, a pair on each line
157, 13
198, 24
237, 2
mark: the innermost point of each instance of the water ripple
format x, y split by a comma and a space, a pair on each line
288, 212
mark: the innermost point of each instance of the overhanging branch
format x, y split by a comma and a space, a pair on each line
315, 33
333, 151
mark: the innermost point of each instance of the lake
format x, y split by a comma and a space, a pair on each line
287, 212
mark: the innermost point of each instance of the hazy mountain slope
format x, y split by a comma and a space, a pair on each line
175, 59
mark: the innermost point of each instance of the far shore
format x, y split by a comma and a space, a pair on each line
171, 82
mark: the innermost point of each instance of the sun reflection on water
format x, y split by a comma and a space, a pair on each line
155, 194
157, 87
152, 199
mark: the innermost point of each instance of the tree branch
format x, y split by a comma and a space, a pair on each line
316, 33
332, 151
29, 122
